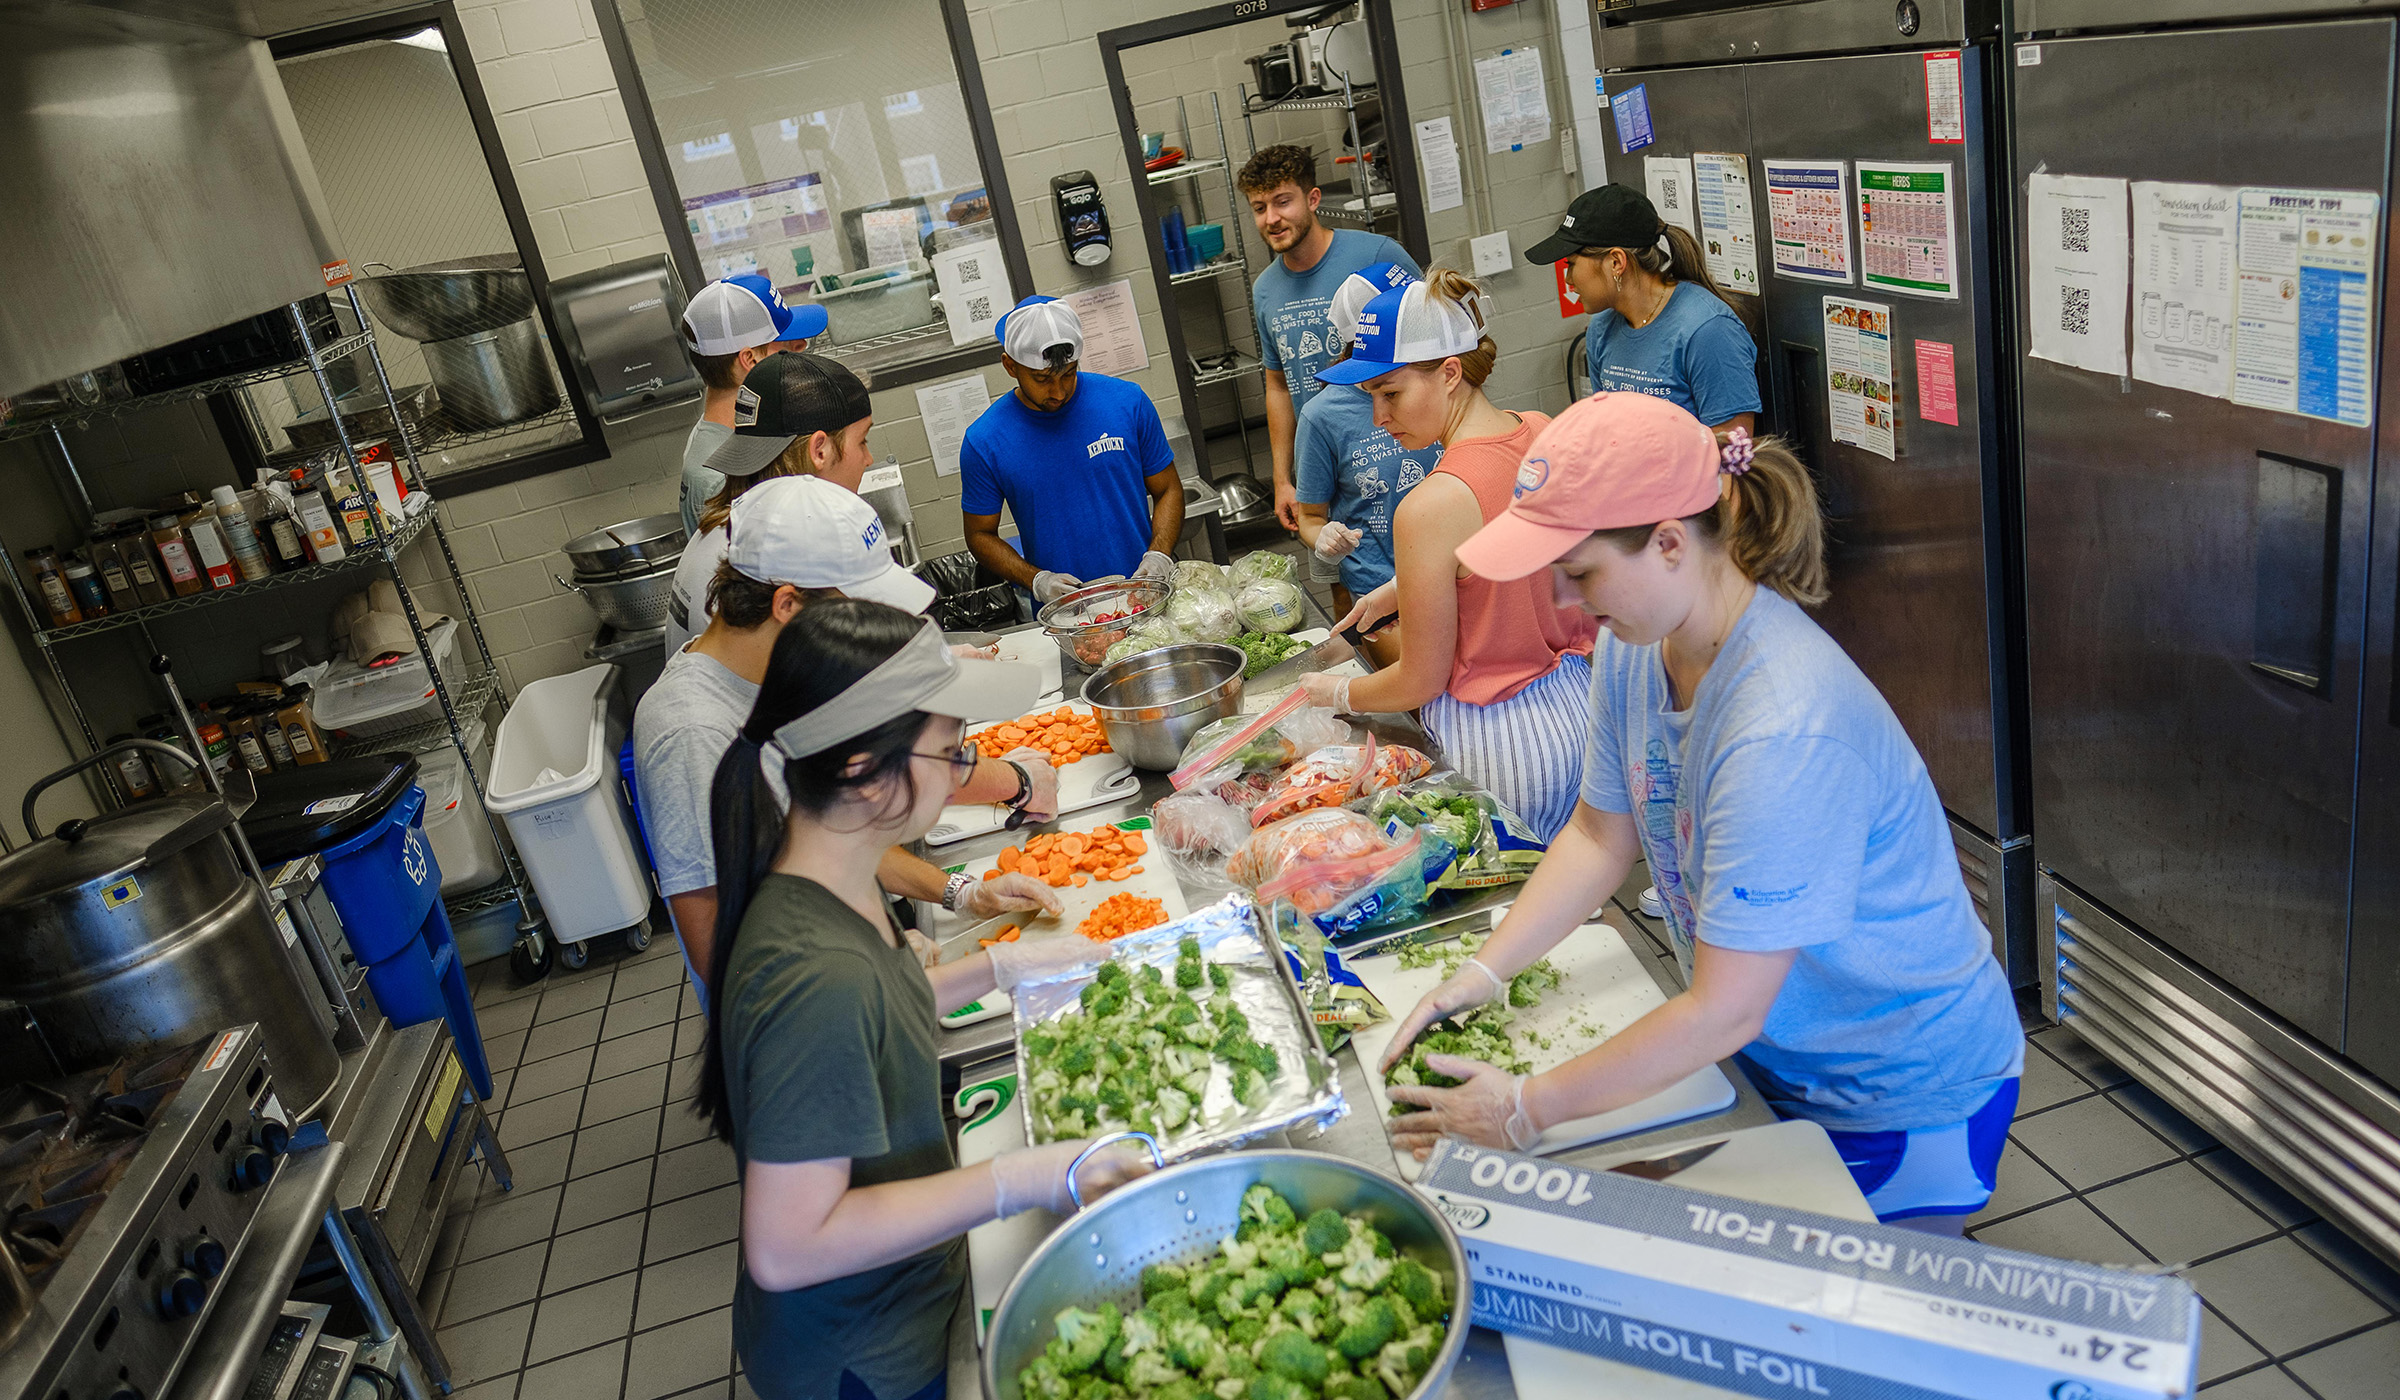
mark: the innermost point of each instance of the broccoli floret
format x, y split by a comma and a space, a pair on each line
1187, 950
1274, 1387
1266, 1205
1400, 1363
1231, 1018
1181, 1388
1162, 1278
1040, 1380
1110, 1000
1149, 1371
1205, 1286
1150, 975
1294, 1356
1326, 1233
1219, 977
1245, 1330
1111, 974
1231, 1045
1239, 1253
1082, 1336
1174, 1108
1188, 974
1182, 1013
1304, 1309
1264, 1059
1417, 1286
1079, 1057
1245, 1084
1367, 1334
1356, 1388
1192, 1345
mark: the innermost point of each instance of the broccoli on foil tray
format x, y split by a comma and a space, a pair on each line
1483, 1033
1142, 1049
1286, 1309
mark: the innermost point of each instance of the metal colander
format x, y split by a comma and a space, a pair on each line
1179, 1215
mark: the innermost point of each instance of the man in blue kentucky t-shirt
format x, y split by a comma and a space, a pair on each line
1080, 460
1294, 292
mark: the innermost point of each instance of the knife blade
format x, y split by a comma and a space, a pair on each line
1674, 1163
1341, 647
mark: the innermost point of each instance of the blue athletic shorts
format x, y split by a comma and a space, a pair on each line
1949, 1170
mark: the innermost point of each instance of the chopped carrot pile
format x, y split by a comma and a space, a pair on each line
1121, 914
1070, 858
1063, 734
1007, 934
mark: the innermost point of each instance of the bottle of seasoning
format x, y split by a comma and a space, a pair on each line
241, 726
208, 544
84, 582
175, 554
300, 728
141, 565
283, 535
173, 778
108, 558
57, 597
241, 536
218, 747
270, 732
317, 528
133, 772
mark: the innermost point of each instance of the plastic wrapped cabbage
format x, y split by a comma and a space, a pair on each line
1204, 615
1264, 563
1269, 605
1198, 573
1149, 634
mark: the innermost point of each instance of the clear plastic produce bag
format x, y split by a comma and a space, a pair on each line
1270, 605
1205, 615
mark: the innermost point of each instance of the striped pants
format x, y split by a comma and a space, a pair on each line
1526, 750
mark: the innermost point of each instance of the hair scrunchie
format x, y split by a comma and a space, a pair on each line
1737, 452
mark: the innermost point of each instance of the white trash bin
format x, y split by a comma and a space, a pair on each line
554, 782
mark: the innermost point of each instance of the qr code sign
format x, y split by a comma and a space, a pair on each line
979, 308
2075, 230
970, 271
2075, 310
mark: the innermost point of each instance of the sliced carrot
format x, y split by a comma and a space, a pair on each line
1135, 844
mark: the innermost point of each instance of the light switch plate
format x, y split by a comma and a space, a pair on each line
1491, 253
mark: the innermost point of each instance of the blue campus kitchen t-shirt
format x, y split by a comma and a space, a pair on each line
1697, 355
1786, 808
1073, 479
1294, 331
1342, 461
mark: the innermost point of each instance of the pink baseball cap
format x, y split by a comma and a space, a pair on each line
1612, 460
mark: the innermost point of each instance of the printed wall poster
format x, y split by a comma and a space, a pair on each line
1907, 234
1858, 375
1808, 218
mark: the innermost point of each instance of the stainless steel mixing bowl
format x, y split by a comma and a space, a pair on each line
1153, 702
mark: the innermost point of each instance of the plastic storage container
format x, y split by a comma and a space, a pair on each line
554, 781
365, 703
462, 840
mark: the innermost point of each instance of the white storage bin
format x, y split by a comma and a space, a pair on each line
554, 781
388, 699
454, 823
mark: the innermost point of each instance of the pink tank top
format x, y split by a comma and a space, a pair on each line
1509, 634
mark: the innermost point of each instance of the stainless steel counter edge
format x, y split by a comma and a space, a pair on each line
251, 1294
378, 1107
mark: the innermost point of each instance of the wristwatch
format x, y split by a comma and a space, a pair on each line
955, 889
1024, 786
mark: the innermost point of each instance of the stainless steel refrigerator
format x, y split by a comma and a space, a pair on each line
1923, 555
2209, 579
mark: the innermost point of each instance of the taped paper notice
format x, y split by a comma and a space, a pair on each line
1112, 328
2305, 310
1907, 240
1631, 108
2077, 248
948, 408
1668, 181
975, 294
1937, 382
1945, 99
2183, 286
1728, 227
1516, 103
1858, 378
1808, 218
1437, 157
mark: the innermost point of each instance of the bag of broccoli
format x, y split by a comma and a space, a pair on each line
1491, 844
1270, 605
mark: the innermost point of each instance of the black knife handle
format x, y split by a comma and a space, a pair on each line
1357, 636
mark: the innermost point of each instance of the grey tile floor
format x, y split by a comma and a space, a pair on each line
608, 1273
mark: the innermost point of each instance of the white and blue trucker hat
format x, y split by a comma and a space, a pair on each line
1407, 326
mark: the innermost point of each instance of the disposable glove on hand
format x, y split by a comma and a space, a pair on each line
1035, 1178
1382, 602
987, 899
972, 653
1487, 1110
1154, 565
1335, 541
928, 952
1043, 805
1030, 961
1329, 691
1049, 585
1471, 986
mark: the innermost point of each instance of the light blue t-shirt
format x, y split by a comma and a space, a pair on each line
1342, 461
1697, 355
1787, 809
1292, 306
1074, 479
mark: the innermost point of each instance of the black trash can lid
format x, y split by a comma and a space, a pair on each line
306, 809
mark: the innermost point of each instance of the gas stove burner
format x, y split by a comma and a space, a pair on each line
64, 1144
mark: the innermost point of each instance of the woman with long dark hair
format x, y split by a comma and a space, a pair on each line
821, 1068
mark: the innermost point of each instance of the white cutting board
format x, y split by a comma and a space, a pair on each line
1605, 986
1781, 1164
1033, 647
990, 1123
1087, 782
1157, 881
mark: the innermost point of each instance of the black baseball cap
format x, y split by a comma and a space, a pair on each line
782, 399
1612, 216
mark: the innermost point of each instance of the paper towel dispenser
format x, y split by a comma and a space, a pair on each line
622, 324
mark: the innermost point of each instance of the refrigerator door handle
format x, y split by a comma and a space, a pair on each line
2296, 528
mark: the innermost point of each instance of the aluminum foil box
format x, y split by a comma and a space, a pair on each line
1785, 1303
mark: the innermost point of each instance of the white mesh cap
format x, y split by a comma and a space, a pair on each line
1357, 290
1405, 327
1035, 324
741, 313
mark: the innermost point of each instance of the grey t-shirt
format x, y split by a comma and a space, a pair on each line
829, 1035
681, 730
699, 483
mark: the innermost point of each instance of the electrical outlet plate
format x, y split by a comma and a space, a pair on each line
1491, 253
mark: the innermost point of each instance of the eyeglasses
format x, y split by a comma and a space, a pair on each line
962, 760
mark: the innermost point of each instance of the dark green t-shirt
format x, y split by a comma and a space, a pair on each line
829, 1037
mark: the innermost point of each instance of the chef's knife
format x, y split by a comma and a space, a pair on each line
1324, 656
1674, 1163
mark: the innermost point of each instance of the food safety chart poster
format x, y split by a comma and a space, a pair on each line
1808, 218
2077, 249
1858, 375
2305, 337
1728, 229
1907, 229
2183, 286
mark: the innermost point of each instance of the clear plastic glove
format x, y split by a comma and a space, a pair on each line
1381, 602
1335, 541
1049, 585
1488, 1109
928, 952
987, 899
1030, 960
971, 653
1043, 805
1329, 691
1154, 565
1035, 1178
1469, 987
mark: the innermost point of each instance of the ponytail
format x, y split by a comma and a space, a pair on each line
1682, 261
1767, 520
819, 654
1475, 366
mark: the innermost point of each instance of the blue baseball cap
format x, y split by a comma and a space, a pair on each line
1357, 290
1405, 326
741, 313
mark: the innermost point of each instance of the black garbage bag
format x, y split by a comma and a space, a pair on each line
967, 596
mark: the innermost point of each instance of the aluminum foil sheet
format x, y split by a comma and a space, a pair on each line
1307, 1091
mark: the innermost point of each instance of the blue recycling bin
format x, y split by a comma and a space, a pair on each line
364, 821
